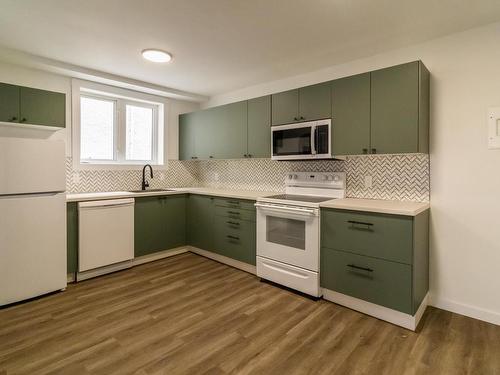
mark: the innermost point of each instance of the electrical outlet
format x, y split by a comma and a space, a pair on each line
368, 182
76, 178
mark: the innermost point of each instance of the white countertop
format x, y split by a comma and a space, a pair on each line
239, 194
378, 205
368, 205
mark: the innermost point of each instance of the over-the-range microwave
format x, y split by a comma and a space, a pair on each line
303, 140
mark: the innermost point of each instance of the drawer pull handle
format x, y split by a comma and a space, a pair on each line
353, 223
233, 237
232, 223
360, 268
233, 202
233, 212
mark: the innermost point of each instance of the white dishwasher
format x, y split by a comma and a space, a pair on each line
106, 236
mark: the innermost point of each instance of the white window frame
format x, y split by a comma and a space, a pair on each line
121, 98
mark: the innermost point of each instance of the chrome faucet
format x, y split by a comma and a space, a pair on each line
145, 183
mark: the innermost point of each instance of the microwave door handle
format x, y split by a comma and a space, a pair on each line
313, 139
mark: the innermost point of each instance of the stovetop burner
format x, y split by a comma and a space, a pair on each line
300, 198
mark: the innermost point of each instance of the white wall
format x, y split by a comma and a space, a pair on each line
465, 175
23, 76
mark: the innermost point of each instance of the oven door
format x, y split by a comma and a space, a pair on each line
288, 234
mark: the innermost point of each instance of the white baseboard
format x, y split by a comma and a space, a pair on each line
466, 310
392, 316
159, 255
222, 259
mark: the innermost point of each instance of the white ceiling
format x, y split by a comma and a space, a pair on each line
223, 45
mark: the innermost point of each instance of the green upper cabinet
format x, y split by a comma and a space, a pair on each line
200, 222
9, 103
351, 115
159, 223
214, 133
187, 131
400, 109
259, 127
304, 104
315, 102
40, 107
285, 107
229, 126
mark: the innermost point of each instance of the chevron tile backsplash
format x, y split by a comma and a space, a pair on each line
401, 176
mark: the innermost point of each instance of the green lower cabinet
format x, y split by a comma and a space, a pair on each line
377, 235
200, 221
374, 280
235, 239
72, 236
379, 258
159, 223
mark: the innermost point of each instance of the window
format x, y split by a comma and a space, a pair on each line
114, 129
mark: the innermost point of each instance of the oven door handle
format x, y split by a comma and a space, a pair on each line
301, 211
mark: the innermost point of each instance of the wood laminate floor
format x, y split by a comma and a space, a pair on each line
191, 315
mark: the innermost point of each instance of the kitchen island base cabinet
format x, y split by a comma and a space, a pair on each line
376, 263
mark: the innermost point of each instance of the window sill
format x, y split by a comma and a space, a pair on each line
116, 167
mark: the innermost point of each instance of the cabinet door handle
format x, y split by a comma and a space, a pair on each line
359, 268
13, 118
365, 151
23, 119
301, 118
233, 202
374, 150
233, 237
232, 223
249, 155
233, 212
295, 118
245, 156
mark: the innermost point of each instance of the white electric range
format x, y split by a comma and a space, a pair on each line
288, 229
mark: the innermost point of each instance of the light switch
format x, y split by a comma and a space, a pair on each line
494, 128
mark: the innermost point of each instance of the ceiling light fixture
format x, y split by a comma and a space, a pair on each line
156, 55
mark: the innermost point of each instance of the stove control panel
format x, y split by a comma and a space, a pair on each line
332, 180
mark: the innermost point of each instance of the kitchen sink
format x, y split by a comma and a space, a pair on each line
150, 190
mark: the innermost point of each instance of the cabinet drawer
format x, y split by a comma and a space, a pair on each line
235, 203
374, 280
235, 213
381, 236
235, 239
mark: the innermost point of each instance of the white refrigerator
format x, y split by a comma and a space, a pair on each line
32, 218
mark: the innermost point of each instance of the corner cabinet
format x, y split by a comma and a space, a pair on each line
159, 223
29, 106
223, 226
377, 258
233, 131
